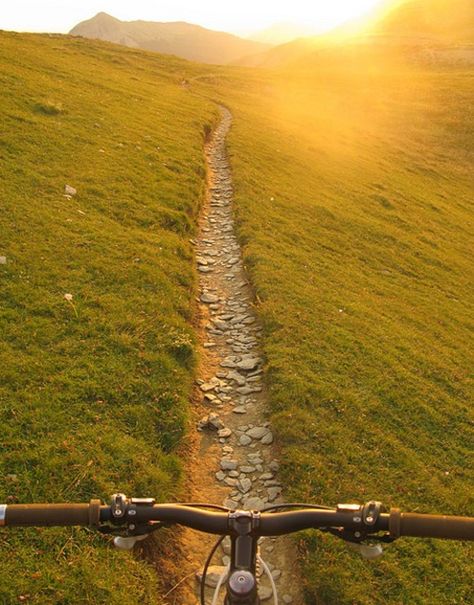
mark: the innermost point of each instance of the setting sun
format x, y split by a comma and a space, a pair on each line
323, 16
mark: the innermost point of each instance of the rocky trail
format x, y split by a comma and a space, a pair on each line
236, 462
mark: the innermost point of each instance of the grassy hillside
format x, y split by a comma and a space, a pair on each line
94, 389
451, 20
353, 195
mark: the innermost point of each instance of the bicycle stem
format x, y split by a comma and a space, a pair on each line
242, 583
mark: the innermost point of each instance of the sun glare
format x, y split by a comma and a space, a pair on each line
323, 16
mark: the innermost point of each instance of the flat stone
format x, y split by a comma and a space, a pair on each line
239, 410
245, 485
213, 575
209, 386
245, 390
265, 593
245, 440
267, 439
248, 364
276, 574
228, 362
258, 432
254, 503
231, 504
228, 464
209, 298
226, 545
220, 325
215, 422
247, 469
273, 493
220, 475
224, 433
68, 190
235, 376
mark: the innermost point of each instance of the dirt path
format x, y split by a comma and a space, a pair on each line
236, 461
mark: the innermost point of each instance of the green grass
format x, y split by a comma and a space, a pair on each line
352, 202
352, 199
93, 395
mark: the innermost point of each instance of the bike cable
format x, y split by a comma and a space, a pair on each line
266, 569
221, 581
206, 567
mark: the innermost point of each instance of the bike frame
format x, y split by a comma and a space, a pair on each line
242, 581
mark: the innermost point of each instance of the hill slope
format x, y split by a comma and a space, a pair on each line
181, 39
353, 199
407, 32
94, 390
451, 21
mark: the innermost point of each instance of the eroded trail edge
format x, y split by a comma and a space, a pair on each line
237, 459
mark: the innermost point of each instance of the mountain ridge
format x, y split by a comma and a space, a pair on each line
185, 40
416, 28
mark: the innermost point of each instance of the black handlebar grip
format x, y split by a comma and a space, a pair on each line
430, 526
47, 515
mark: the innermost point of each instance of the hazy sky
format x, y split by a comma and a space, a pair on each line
238, 16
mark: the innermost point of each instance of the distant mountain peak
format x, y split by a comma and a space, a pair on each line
182, 39
105, 17
280, 33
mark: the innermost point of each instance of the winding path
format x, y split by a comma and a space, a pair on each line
237, 457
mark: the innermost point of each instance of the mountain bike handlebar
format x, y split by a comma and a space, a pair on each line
132, 513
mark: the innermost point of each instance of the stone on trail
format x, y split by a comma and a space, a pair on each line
273, 493
211, 422
215, 422
224, 433
254, 503
228, 465
209, 386
214, 573
265, 593
267, 439
209, 298
240, 410
248, 364
231, 504
257, 432
228, 362
245, 485
245, 440
238, 378
220, 325
247, 469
